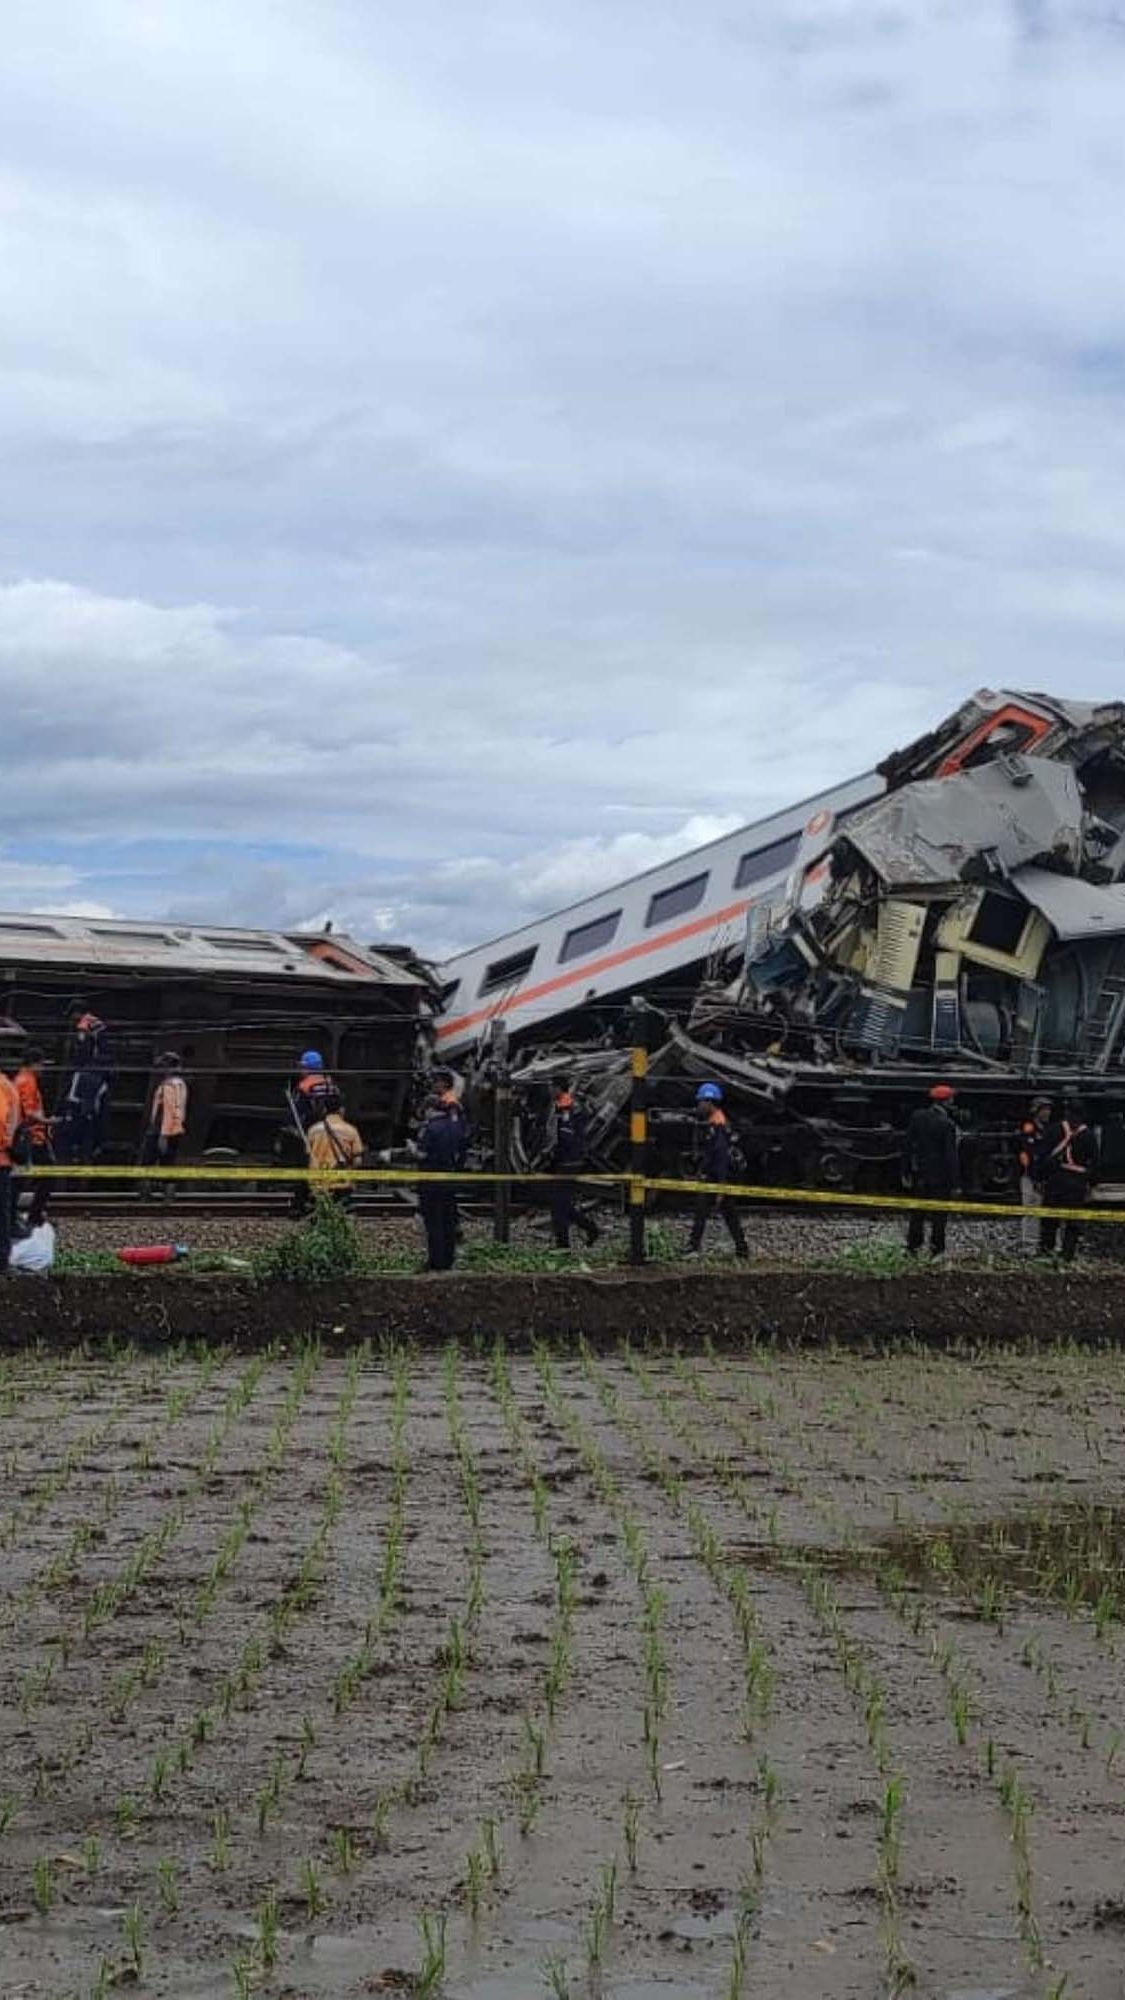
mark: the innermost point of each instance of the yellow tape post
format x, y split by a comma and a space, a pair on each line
638, 1185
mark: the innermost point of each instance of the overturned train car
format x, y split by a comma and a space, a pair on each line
238, 1007
968, 925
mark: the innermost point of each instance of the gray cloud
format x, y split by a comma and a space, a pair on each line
425, 434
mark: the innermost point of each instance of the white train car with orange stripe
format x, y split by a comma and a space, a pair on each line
662, 923
669, 921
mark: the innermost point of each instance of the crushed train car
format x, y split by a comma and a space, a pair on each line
237, 1005
967, 925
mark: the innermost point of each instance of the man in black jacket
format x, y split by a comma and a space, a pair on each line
930, 1166
1066, 1167
443, 1143
568, 1157
715, 1163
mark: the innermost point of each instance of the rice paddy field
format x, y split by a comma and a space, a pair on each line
656, 1675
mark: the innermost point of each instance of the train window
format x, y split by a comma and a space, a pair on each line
590, 937
675, 902
131, 936
508, 971
245, 944
28, 930
999, 924
763, 861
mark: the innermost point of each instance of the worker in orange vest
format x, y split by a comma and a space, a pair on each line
167, 1117
10, 1117
34, 1143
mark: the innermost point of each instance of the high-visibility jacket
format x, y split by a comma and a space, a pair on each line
317, 1095
32, 1114
169, 1108
10, 1118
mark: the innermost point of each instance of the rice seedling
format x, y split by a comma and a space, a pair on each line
167, 1884
632, 1823
345, 1852
220, 1843
126, 1817
133, 1932
43, 1885
432, 1934
91, 1854
269, 1926
556, 1972
316, 1902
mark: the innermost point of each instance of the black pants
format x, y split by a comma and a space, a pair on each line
5, 1216
437, 1207
916, 1227
704, 1208
1063, 1191
151, 1154
566, 1215
78, 1140
37, 1156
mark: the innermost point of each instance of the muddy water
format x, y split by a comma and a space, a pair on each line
910, 1532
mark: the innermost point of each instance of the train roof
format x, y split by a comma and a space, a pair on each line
106, 944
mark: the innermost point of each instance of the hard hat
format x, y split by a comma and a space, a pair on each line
709, 1093
312, 1059
942, 1092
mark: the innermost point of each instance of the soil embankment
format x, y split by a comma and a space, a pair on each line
790, 1308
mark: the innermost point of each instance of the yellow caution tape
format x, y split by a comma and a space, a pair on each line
738, 1190
900, 1203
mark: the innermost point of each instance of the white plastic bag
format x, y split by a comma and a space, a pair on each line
34, 1253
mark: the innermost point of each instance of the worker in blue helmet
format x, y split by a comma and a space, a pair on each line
316, 1096
714, 1161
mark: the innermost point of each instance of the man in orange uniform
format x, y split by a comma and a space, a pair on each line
167, 1118
10, 1116
35, 1131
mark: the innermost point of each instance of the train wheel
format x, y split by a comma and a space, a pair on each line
834, 1171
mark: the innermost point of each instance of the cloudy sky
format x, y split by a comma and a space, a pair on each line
454, 456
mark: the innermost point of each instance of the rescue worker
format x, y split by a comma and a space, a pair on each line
9, 1126
1030, 1138
84, 1109
714, 1162
931, 1166
34, 1143
332, 1143
316, 1093
1067, 1167
167, 1117
442, 1145
568, 1157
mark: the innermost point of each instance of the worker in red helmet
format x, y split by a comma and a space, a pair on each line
931, 1166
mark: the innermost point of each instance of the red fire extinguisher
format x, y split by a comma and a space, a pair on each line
152, 1253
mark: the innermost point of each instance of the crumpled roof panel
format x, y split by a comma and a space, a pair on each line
1013, 810
1073, 908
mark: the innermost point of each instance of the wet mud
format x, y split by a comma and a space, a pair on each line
673, 1676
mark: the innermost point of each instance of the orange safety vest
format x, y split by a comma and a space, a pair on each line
32, 1113
10, 1118
169, 1108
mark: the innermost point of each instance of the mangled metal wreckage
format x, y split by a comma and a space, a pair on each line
968, 926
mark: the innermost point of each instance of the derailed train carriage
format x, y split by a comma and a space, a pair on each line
966, 925
238, 1006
